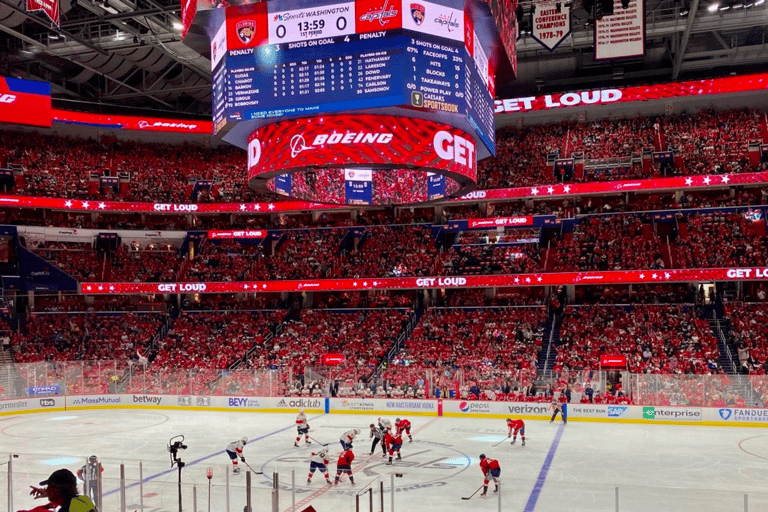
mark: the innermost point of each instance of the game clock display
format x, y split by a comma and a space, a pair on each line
369, 54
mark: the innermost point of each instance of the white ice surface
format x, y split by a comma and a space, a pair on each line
654, 467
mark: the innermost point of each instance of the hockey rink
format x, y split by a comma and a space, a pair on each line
577, 467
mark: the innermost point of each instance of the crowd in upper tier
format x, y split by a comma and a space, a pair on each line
707, 142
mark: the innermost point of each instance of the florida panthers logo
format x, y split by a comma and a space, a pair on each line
418, 12
245, 29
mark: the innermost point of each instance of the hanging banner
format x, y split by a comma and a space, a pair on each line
551, 24
622, 34
49, 7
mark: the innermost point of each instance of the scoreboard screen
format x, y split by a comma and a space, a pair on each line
270, 62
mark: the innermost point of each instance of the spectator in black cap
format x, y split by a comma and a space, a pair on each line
61, 490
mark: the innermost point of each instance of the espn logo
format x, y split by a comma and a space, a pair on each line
7, 98
47, 402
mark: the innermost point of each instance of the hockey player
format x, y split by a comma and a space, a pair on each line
404, 426
303, 427
344, 465
319, 461
347, 438
491, 470
514, 427
559, 407
385, 425
89, 474
378, 437
235, 450
394, 443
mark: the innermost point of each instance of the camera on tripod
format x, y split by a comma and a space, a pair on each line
176, 445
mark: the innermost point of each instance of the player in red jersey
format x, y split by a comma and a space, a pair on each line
394, 443
491, 470
344, 465
514, 427
403, 425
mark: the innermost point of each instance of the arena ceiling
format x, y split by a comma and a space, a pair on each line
128, 54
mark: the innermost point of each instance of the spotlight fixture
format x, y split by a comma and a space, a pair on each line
713, 7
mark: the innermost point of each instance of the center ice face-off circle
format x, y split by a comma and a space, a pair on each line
362, 160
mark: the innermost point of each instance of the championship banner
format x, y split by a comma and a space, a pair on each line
727, 85
25, 102
49, 7
504, 13
622, 34
551, 24
188, 11
625, 277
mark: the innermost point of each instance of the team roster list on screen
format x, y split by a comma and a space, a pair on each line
271, 61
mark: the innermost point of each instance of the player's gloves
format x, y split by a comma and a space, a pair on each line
242, 459
488, 475
509, 435
306, 427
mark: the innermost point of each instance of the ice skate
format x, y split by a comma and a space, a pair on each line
513, 441
236, 470
309, 481
295, 445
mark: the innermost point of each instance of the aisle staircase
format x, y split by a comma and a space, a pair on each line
548, 351
10, 379
729, 361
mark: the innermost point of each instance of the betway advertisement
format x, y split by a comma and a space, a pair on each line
409, 283
25, 102
731, 84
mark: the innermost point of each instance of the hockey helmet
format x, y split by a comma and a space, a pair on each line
301, 411
244, 440
397, 420
93, 459
482, 456
373, 426
357, 431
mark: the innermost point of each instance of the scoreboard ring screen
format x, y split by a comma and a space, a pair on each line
362, 159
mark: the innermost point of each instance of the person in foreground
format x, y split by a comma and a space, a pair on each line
61, 491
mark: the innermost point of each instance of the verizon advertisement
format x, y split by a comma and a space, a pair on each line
138, 123
731, 84
405, 283
49, 7
551, 24
25, 102
524, 220
622, 34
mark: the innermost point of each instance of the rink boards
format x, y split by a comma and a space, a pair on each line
666, 415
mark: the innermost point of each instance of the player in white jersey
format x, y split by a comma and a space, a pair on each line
303, 427
347, 438
235, 450
319, 460
385, 425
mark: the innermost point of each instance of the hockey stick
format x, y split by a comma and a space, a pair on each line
497, 444
318, 442
470, 496
253, 470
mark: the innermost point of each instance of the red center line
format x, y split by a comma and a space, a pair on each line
357, 468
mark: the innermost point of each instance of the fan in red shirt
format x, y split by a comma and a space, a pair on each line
514, 427
491, 470
403, 425
394, 443
344, 465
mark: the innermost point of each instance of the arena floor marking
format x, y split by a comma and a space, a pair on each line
534, 497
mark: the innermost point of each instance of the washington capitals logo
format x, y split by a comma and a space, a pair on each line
418, 12
245, 29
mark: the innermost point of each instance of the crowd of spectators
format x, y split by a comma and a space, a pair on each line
735, 237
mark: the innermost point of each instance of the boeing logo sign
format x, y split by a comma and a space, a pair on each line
164, 124
299, 144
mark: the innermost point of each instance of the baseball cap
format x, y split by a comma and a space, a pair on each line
61, 478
